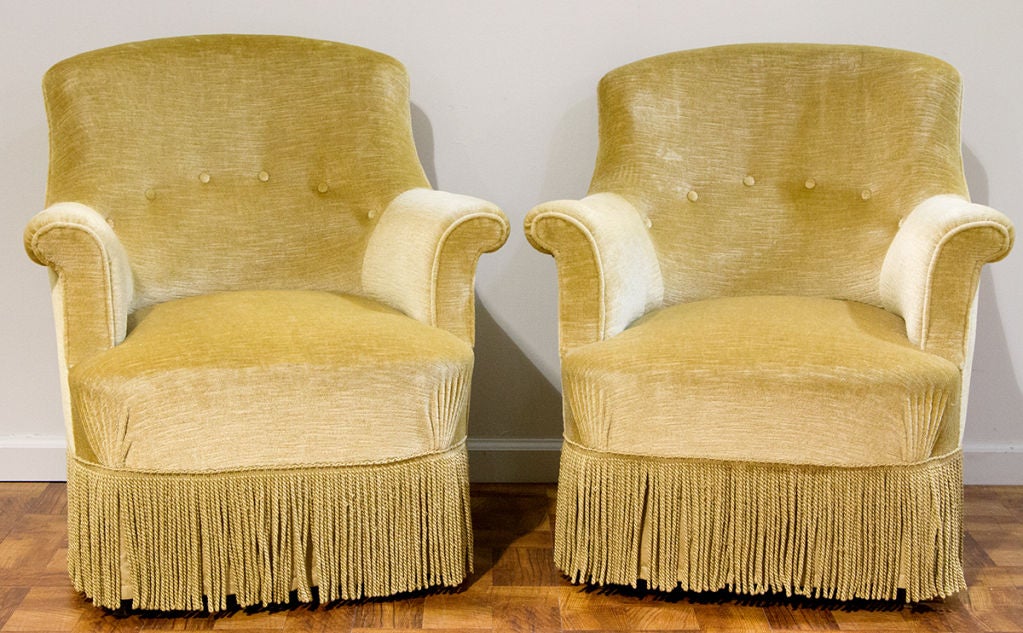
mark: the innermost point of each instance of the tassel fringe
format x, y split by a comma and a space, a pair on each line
353, 531
753, 528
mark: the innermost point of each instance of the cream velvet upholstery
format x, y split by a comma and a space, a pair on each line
766, 306
265, 324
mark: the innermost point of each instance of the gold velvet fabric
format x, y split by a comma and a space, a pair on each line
291, 147
763, 378
766, 305
265, 324
811, 151
330, 378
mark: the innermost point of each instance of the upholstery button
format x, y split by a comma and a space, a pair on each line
204, 178
110, 221
810, 183
749, 181
263, 176
865, 194
648, 222
150, 194
322, 187
692, 195
372, 214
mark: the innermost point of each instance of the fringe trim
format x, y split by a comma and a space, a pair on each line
753, 528
355, 531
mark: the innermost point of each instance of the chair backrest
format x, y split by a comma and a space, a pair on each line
233, 161
778, 168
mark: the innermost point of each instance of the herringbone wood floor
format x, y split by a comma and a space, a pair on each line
516, 587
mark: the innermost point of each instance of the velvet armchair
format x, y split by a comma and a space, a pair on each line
767, 303
265, 325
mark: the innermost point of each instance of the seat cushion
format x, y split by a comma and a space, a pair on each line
259, 379
770, 379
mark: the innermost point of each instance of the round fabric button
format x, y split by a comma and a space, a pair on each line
810, 183
865, 194
264, 176
204, 178
150, 194
322, 187
692, 195
749, 181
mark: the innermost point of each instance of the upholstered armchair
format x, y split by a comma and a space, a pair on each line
265, 324
767, 305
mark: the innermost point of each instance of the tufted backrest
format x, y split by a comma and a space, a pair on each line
233, 161
778, 168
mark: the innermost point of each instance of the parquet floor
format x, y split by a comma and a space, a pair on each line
516, 587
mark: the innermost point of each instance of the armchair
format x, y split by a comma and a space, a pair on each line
265, 324
766, 320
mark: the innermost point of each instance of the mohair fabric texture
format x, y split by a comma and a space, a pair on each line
265, 324
766, 309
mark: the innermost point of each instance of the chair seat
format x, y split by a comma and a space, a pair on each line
264, 379
796, 380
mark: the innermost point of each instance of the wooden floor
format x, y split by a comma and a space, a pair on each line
516, 587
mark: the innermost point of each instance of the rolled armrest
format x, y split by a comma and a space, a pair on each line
608, 271
421, 257
92, 280
932, 268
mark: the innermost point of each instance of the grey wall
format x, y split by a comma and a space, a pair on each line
504, 109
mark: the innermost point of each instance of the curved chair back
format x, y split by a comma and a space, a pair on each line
222, 169
757, 163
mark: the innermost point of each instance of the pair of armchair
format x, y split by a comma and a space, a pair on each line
265, 325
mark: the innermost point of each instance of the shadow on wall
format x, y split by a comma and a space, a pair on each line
573, 152
511, 399
995, 395
422, 132
532, 280
514, 412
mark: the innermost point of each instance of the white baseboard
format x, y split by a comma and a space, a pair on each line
993, 465
501, 460
32, 458
41, 458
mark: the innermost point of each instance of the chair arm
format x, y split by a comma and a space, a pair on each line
608, 271
932, 268
90, 276
421, 256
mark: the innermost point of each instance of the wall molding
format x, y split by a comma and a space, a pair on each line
514, 460
993, 464
32, 458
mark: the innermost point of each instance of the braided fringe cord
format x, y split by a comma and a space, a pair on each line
355, 531
753, 528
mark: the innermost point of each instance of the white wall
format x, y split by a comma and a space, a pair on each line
504, 108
